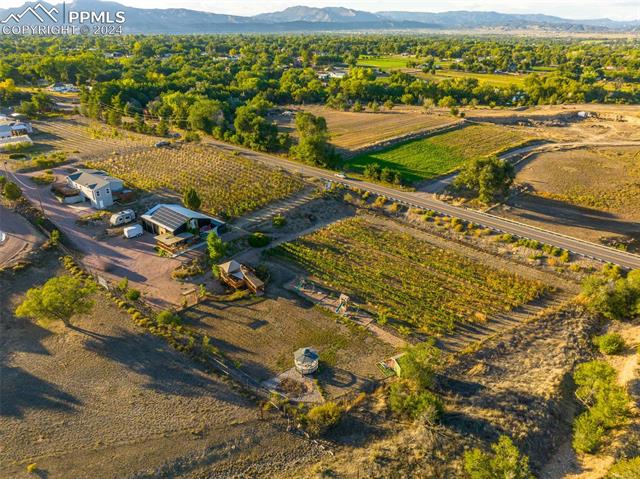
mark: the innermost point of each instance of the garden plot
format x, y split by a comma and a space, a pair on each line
228, 185
409, 282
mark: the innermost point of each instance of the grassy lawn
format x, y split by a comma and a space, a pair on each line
411, 281
495, 79
427, 158
387, 63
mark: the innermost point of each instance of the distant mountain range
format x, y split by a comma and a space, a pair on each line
303, 19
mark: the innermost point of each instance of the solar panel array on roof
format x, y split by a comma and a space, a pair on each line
168, 218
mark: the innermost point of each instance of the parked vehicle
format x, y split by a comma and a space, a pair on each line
341, 175
122, 217
133, 231
162, 144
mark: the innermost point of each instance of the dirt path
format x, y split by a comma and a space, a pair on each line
17, 237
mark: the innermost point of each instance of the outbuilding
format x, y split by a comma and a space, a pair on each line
176, 226
239, 276
306, 360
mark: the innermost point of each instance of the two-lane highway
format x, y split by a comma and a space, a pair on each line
422, 200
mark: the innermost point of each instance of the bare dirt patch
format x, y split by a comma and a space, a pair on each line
106, 400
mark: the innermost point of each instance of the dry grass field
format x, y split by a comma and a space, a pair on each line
351, 131
606, 179
106, 399
591, 193
227, 184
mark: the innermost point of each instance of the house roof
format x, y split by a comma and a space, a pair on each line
171, 217
232, 268
91, 178
306, 356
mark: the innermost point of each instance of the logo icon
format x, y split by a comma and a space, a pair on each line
38, 10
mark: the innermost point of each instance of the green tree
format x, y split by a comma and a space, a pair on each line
190, 199
488, 178
215, 247
11, 191
613, 296
59, 299
313, 141
419, 362
205, 114
506, 462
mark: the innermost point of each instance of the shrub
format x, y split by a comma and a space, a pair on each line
258, 239
625, 469
587, 433
11, 191
168, 317
609, 343
279, 221
54, 237
406, 401
322, 418
123, 285
379, 202
506, 462
607, 404
132, 294
505, 238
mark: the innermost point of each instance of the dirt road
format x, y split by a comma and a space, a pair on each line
17, 237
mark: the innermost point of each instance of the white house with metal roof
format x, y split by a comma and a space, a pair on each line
95, 186
176, 219
9, 129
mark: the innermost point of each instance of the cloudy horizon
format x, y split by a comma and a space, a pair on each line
571, 9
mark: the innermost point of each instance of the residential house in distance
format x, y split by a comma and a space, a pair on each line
95, 186
14, 132
14, 128
63, 88
176, 226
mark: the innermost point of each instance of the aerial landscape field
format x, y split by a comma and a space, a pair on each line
319, 242
426, 158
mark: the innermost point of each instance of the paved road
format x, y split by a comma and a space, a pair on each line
425, 200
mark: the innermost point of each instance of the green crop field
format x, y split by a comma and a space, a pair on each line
411, 281
429, 157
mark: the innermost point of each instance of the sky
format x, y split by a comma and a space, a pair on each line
575, 9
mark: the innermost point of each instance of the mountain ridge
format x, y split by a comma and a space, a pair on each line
314, 19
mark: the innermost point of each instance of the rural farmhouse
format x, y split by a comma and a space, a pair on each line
95, 186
